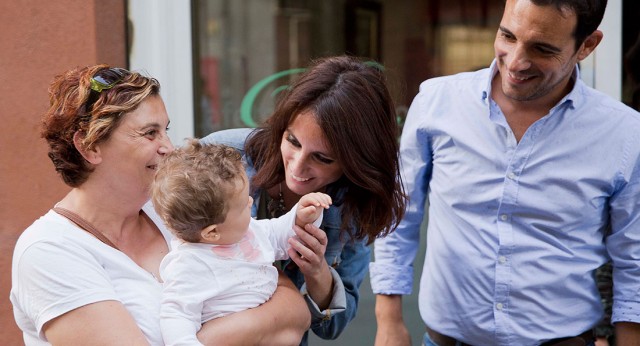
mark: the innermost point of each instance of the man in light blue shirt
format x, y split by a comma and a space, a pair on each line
533, 182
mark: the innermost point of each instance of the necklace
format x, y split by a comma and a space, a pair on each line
276, 206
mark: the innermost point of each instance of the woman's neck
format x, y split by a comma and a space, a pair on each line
122, 221
290, 198
112, 216
282, 191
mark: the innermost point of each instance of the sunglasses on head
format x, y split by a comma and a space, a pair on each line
103, 80
107, 78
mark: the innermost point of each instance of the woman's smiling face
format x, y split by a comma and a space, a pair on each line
309, 162
130, 156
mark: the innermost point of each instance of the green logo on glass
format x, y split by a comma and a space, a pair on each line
249, 99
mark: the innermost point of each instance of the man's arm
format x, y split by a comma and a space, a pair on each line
392, 272
282, 320
621, 243
391, 328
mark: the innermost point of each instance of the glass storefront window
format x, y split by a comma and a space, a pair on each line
247, 51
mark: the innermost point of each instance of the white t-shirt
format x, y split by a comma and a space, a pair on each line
205, 281
58, 267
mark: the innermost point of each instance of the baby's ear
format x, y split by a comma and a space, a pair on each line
210, 233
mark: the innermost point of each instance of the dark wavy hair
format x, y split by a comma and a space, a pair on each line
74, 107
352, 105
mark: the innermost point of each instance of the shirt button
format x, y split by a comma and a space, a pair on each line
502, 259
499, 306
511, 175
504, 217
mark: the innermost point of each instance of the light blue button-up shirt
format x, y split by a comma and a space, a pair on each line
516, 229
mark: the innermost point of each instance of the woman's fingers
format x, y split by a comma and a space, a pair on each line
308, 248
312, 236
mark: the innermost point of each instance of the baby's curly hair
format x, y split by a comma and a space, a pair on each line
192, 185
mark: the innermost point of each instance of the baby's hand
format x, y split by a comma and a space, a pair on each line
310, 206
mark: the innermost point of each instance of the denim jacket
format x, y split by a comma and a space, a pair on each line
348, 259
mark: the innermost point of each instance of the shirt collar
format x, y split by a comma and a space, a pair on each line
486, 90
575, 96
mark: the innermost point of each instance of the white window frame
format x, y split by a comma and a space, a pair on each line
162, 48
603, 69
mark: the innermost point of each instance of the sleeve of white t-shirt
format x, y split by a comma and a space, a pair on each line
56, 277
280, 229
188, 283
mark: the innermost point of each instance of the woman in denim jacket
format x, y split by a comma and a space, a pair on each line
333, 131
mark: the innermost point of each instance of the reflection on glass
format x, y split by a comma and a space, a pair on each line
241, 43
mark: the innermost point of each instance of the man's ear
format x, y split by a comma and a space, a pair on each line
91, 155
589, 45
210, 233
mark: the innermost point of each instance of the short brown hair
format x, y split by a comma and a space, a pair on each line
589, 15
192, 185
70, 96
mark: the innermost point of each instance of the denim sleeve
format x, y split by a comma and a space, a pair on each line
338, 302
233, 137
351, 270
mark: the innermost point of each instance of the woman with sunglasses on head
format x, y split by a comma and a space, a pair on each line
333, 131
87, 271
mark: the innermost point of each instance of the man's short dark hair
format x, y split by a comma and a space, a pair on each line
588, 12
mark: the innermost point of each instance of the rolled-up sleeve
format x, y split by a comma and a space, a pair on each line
622, 244
392, 270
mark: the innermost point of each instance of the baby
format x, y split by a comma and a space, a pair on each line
222, 261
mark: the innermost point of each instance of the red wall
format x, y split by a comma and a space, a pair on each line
38, 40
